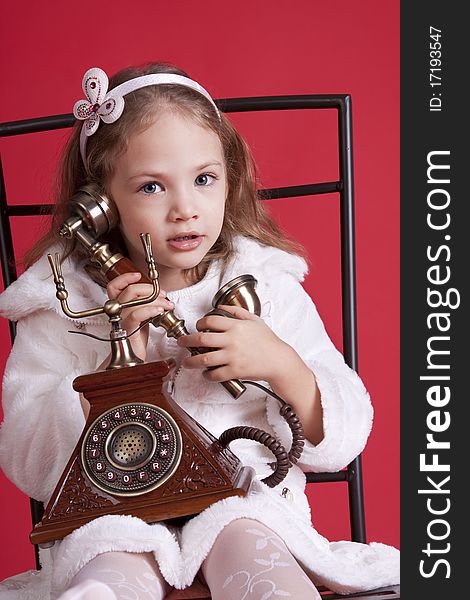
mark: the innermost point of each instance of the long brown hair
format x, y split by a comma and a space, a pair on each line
244, 212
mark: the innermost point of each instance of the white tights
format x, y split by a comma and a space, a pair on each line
118, 575
248, 561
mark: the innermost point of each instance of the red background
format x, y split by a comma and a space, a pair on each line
244, 49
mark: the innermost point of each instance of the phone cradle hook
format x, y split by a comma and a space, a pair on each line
122, 354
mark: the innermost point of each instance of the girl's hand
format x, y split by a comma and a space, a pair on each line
124, 288
244, 347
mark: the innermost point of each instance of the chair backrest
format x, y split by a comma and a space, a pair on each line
344, 187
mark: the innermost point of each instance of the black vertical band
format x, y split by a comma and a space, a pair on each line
434, 296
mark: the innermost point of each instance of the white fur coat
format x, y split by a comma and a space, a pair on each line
43, 421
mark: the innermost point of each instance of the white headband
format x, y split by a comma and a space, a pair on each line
109, 106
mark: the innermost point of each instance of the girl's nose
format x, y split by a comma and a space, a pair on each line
183, 207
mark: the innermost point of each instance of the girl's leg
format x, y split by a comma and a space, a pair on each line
120, 576
89, 590
248, 561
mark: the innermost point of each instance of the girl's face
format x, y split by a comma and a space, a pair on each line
171, 182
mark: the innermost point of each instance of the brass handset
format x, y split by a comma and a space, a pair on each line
94, 215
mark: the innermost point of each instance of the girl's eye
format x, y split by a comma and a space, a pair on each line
150, 188
205, 179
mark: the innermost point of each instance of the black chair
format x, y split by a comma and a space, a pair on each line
352, 475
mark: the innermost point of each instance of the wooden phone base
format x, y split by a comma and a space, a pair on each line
147, 457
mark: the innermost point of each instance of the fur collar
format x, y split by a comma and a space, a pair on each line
35, 290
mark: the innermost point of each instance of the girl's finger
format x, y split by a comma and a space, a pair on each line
129, 294
205, 339
214, 323
207, 360
138, 290
239, 312
222, 373
120, 283
142, 313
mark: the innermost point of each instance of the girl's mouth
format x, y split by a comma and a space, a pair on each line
186, 242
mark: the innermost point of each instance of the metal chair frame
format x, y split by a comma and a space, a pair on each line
344, 187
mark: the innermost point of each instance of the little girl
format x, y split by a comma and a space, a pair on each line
175, 167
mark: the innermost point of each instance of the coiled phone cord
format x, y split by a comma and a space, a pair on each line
284, 459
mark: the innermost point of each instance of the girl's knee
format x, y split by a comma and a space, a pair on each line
250, 560
241, 536
124, 573
244, 530
88, 589
243, 525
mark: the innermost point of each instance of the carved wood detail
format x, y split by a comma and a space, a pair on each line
193, 475
77, 497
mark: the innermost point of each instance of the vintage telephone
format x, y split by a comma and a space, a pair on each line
140, 453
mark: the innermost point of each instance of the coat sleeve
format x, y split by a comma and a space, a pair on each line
347, 410
43, 418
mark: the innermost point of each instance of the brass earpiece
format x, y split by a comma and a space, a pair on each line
239, 292
92, 209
